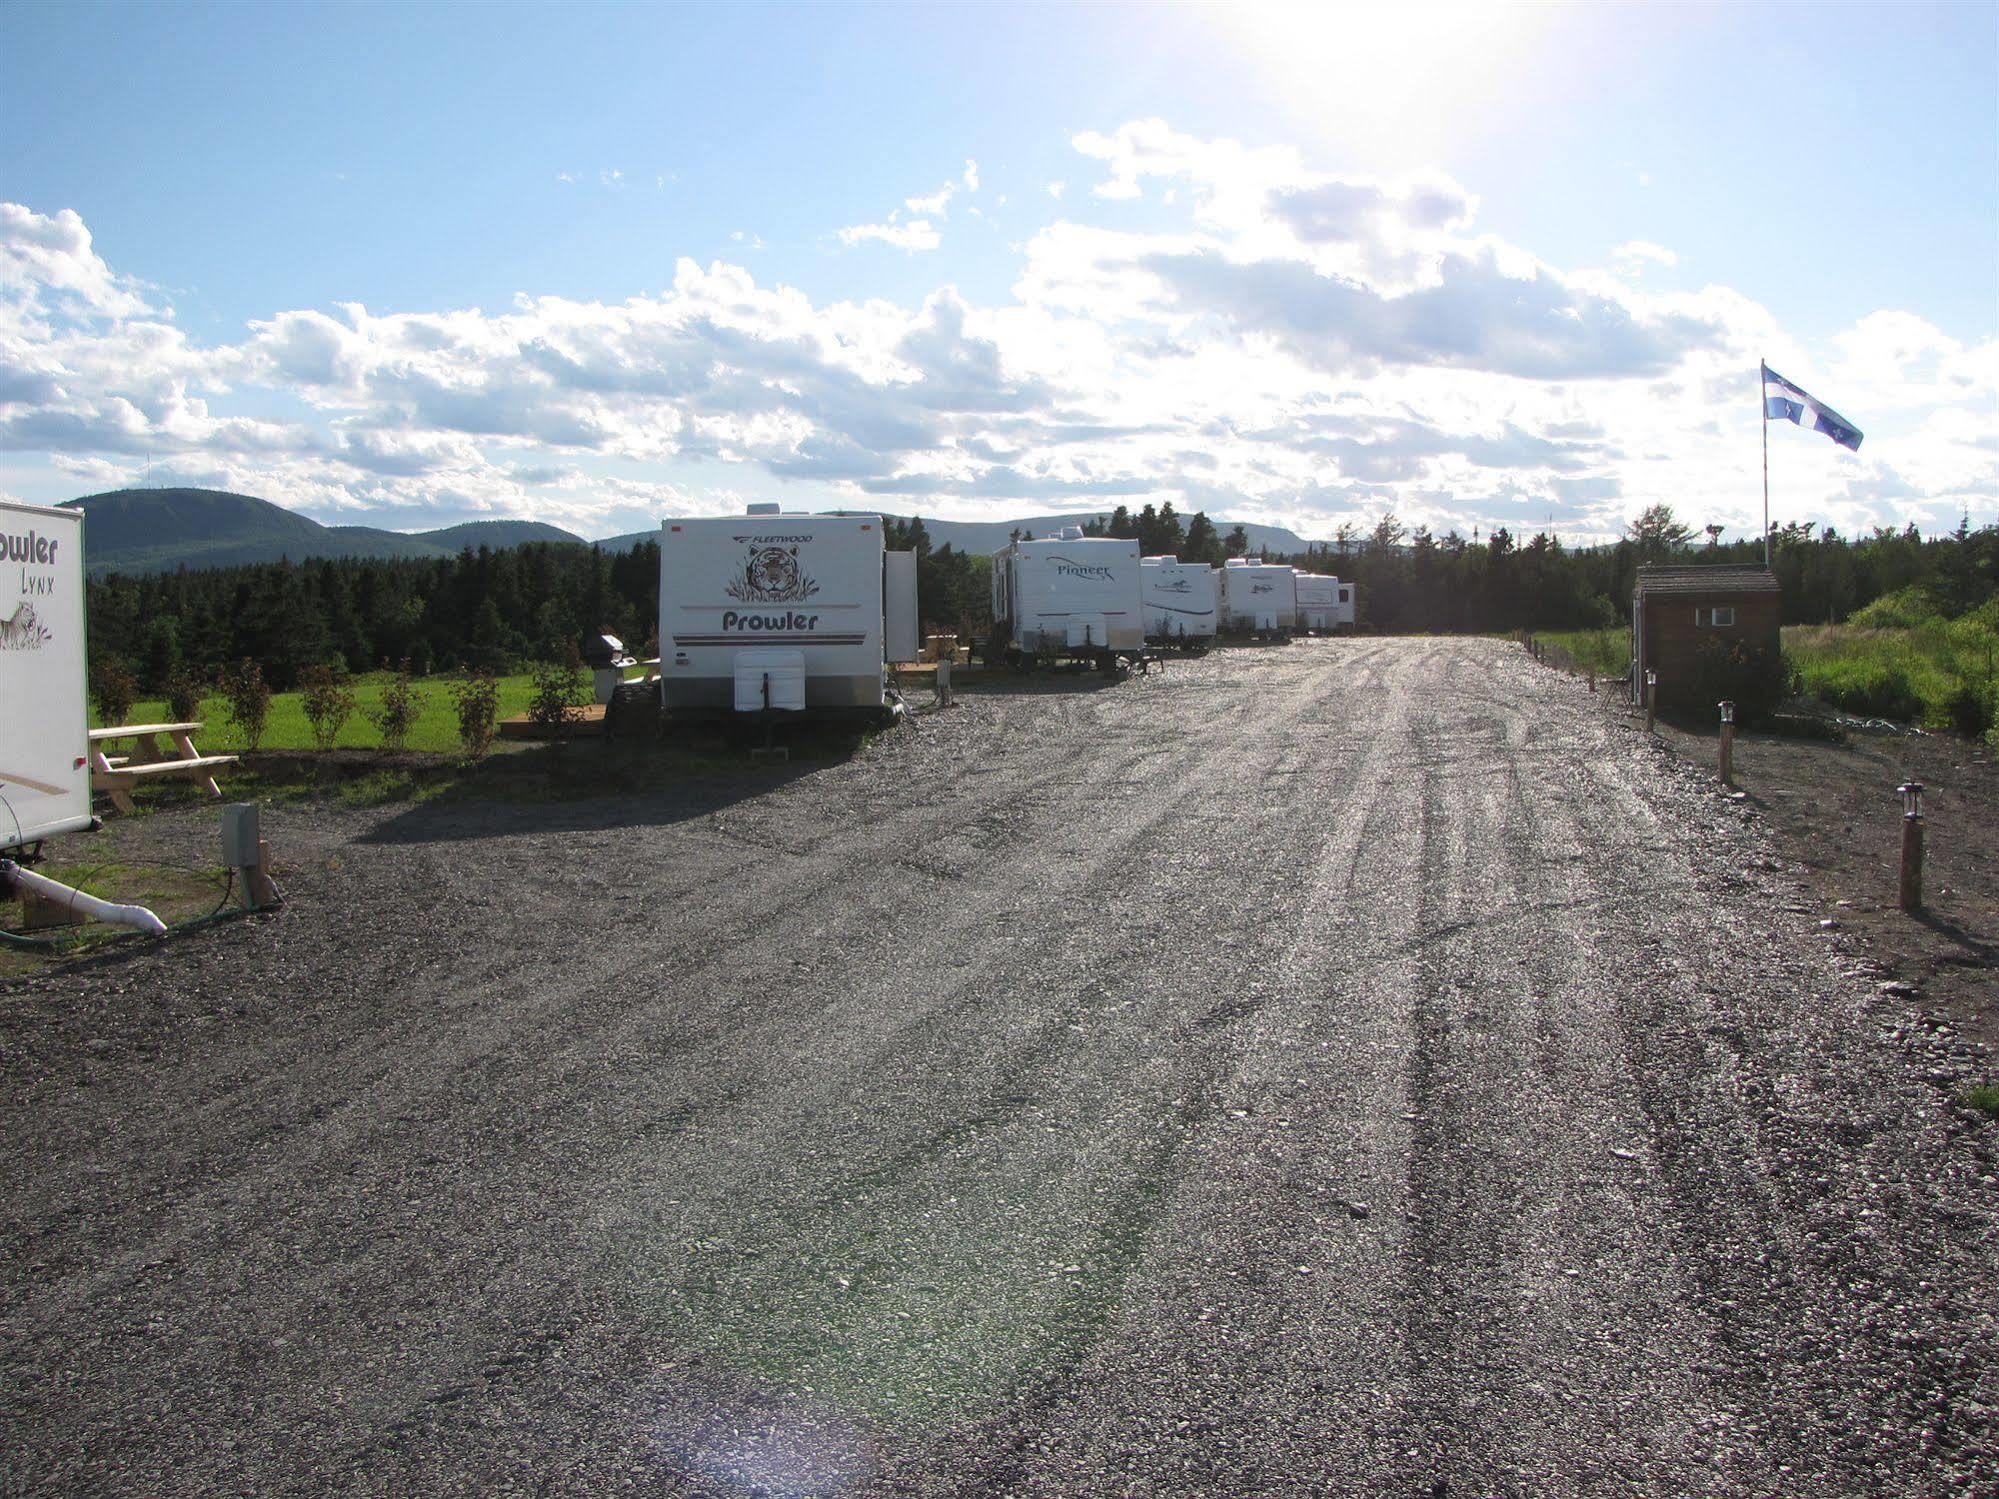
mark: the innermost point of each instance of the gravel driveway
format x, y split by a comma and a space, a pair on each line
1361, 1067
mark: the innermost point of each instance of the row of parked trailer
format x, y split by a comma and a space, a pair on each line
789, 612
1076, 596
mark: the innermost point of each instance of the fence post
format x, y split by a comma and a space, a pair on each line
1592, 681
943, 682
1912, 845
1727, 742
1651, 700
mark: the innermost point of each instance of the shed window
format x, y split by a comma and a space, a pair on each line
1719, 617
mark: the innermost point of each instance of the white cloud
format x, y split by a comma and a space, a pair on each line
914, 235
918, 232
1057, 188
1297, 345
46, 259
1634, 257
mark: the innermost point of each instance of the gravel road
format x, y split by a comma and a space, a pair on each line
1359, 1067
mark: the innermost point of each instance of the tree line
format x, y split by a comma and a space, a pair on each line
496, 610
1410, 580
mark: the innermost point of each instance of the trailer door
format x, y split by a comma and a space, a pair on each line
899, 606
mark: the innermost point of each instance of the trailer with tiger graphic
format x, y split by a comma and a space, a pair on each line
44, 712
785, 612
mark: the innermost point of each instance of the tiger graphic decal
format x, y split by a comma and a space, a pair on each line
770, 574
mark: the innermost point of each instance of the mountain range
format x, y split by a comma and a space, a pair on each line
159, 530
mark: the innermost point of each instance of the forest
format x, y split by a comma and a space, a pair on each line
497, 609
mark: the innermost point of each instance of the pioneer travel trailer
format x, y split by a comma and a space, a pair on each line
44, 715
1179, 601
1258, 598
1319, 602
788, 612
1072, 597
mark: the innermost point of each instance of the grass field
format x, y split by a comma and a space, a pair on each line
1942, 674
436, 729
1609, 651
1896, 659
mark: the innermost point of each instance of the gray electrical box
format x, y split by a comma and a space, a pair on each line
240, 835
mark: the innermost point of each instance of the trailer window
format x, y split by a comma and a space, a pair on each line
1715, 618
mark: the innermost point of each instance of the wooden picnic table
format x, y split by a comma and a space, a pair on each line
116, 775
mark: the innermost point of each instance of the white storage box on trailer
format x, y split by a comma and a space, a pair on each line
770, 678
1072, 595
1318, 601
44, 713
1259, 597
1179, 600
807, 598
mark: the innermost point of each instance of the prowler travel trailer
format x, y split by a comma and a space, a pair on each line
1072, 597
1319, 602
1179, 600
1258, 598
786, 612
44, 720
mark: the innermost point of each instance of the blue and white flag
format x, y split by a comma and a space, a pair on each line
1785, 402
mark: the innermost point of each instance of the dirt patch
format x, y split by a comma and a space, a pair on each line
1834, 809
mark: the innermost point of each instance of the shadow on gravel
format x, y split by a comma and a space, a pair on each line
582, 788
1983, 952
1062, 680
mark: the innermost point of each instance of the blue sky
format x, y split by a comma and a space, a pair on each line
1682, 188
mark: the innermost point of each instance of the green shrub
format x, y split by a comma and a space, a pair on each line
184, 691
478, 702
397, 712
559, 690
1755, 680
1905, 609
249, 698
326, 696
113, 688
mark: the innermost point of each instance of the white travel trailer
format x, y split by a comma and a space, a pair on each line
791, 612
1319, 601
1072, 596
1259, 598
44, 718
1344, 618
1179, 599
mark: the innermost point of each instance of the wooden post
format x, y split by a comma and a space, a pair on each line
1728, 744
1592, 681
261, 883
1651, 700
943, 681
1912, 846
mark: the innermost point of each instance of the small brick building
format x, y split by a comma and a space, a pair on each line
1675, 609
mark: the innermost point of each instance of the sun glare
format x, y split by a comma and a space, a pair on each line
1409, 76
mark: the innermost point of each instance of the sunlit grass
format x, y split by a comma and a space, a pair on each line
435, 730
1942, 674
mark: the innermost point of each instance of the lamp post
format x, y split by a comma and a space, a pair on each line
1727, 742
1912, 845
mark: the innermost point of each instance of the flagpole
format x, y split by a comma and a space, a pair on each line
1763, 407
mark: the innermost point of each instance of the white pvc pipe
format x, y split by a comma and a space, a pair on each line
78, 902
